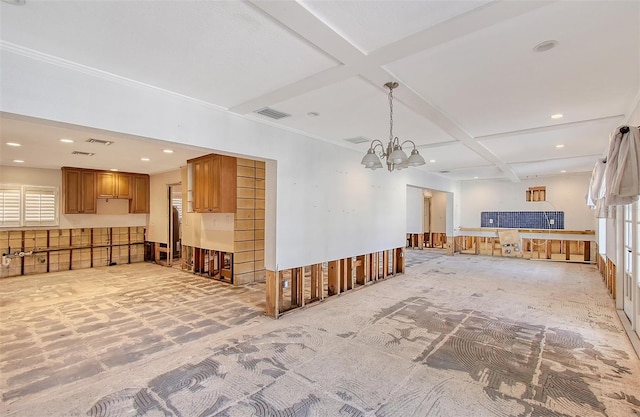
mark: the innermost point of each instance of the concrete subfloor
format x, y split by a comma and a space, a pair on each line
454, 336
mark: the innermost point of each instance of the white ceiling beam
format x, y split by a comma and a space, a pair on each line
352, 62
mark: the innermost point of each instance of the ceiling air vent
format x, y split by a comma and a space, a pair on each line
444, 172
99, 141
82, 153
271, 113
359, 139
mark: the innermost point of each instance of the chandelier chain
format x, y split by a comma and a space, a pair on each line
390, 114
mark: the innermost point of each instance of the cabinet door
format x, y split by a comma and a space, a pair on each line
123, 186
202, 185
79, 191
71, 189
88, 198
213, 185
140, 201
105, 185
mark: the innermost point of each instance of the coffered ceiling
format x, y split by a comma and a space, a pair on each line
474, 95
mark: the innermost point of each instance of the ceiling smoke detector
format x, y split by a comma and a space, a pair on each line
545, 46
99, 141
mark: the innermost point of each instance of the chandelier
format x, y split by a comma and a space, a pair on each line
393, 153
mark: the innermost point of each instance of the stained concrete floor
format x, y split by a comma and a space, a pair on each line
454, 336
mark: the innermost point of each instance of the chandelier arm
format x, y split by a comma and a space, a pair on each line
380, 144
408, 141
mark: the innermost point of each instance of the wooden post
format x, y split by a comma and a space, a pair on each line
334, 277
548, 254
399, 261
567, 245
272, 293
385, 263
477, 248
587, 251
280, 292
375, 264
360, 270
349, 271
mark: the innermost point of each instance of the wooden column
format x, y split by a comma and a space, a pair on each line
567, 250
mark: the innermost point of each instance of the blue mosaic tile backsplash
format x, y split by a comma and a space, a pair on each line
523, 219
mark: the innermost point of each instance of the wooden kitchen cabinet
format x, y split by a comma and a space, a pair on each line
214, 184
114, 185
78, 191
139, 202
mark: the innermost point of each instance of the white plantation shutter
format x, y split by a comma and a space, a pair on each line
40, 206
9, 206
28, 206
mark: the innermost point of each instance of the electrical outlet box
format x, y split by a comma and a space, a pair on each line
490, 221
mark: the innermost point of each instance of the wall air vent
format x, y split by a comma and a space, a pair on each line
99, 141
271, 113
359, 139
82, 153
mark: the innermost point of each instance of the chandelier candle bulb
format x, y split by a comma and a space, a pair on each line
393, 153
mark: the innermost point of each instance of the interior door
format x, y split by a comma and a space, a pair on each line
628, 276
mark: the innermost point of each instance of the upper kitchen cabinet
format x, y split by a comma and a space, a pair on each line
214, 184
114, 185
139, 203
81, 189
78, 191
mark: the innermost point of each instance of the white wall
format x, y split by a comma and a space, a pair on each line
564, 193
415, 203
110, 213
327, 206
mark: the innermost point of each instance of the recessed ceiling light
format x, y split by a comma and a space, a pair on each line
545, 46
64, 140
557, 116
167, 151
13, 144
18, 161
145, 159
475, 178
560, 146
114, 169
563, 171
432, 160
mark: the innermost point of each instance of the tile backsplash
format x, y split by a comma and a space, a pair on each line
523, 219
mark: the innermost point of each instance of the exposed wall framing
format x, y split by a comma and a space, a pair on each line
42, 251
298, 287
552, 245
427, 240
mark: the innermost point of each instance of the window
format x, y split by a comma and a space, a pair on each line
40, 208
9, 206
28, 206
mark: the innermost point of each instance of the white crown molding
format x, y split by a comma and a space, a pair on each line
94, 72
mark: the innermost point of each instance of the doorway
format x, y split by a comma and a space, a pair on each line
174, 241
630, 259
